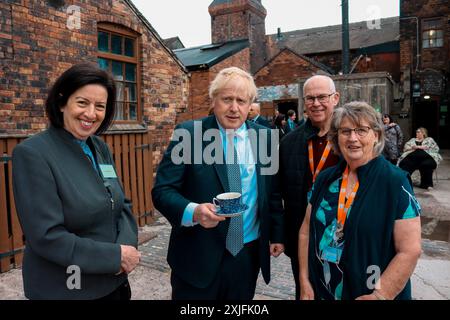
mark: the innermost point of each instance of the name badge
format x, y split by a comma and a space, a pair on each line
107, 171
332, 254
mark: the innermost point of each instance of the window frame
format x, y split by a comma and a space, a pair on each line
438, 27
136, 60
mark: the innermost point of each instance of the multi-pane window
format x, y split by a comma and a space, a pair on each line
432, 33
117, 53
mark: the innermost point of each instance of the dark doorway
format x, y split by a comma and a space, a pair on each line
426, 114
444, 125
284, 106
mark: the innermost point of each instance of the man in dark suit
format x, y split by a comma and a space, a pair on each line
254, 115
291, 121
203, 265
296, 173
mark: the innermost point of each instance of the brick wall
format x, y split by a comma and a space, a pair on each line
388, 62
241, 19
36, 46
436, 58
285, 69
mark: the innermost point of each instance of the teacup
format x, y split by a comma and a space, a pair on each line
228, 202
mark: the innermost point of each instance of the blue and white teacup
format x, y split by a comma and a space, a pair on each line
228, 202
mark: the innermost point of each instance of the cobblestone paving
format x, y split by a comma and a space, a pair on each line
281, 286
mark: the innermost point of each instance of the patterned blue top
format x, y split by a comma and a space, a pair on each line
325, 221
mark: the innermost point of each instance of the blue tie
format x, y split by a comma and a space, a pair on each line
88, 152
235, 235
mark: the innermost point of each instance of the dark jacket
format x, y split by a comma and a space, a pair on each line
68, 217
293, 168
369, 229
263, 121
195, 253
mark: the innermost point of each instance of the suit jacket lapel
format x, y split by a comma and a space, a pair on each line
221, 169
260, 179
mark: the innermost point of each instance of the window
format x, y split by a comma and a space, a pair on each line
117, 53
432, 33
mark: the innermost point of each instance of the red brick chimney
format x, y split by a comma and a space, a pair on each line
237, 20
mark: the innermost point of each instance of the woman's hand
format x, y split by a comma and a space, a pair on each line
129, 258
306, 290
367, 297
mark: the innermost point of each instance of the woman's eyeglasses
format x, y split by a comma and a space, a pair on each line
360, 131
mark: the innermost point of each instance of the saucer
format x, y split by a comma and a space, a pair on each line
242, 208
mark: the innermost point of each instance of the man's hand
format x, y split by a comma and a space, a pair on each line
276, 249
205, 214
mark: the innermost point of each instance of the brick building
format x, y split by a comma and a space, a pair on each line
277, 80
425, 67
40, 39
237, 33
279, 61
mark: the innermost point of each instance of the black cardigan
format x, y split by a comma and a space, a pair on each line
368, 230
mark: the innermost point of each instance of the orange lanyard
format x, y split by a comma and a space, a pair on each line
324, 157
343, 205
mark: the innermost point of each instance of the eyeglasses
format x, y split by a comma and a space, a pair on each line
361, 131
323, 98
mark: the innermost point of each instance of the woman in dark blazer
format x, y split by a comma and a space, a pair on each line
81, 236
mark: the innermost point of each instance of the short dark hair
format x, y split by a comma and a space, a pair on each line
279, 120
387, 116
73, 79
290, 113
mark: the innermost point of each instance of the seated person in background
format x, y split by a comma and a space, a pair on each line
421, 153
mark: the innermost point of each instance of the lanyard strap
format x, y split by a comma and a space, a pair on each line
343, 205
324, 157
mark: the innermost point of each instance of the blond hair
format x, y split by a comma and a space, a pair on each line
227, 74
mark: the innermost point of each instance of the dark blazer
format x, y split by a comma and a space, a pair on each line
263, 121
195, 253
70, 216
293, 167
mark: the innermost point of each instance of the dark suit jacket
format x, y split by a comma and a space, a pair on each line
68, 217
293, 169
195, 253
263, 121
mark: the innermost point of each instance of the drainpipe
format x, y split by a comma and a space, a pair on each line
417, 40
345, 38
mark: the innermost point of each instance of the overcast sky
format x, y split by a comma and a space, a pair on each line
191, 22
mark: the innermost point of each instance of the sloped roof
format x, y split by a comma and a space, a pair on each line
311, 61
326, 39
174, 43
204, 57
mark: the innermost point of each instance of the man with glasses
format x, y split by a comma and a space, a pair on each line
304, 152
